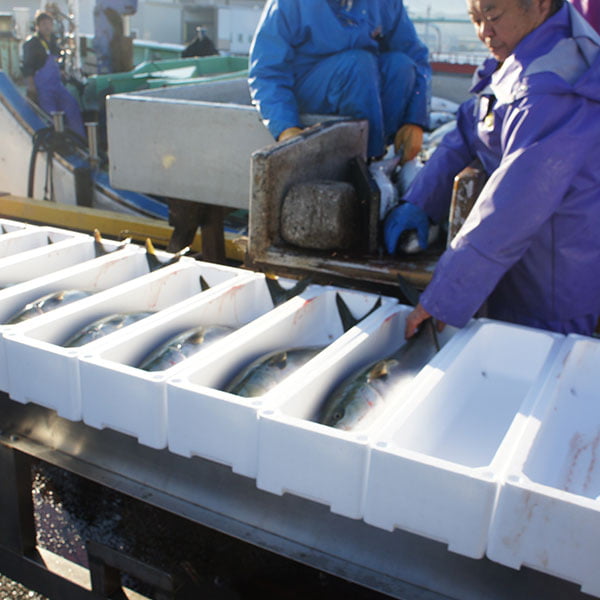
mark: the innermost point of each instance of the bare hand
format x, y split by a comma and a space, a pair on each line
415, 318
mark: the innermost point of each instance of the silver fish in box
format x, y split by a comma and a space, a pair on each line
182, 346
47, 303
267, 371
364, 394
102, 327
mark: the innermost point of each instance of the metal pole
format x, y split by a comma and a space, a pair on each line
92, 136
58, 120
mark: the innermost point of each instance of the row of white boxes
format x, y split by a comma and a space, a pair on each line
492, 449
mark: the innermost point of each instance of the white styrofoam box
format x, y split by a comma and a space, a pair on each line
25, 266
548, 511
34, 346
206, 421
8, 226
434, 469
118, 395
33, 277
328, 465
31, 238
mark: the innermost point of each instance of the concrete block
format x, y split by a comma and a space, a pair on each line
320, 214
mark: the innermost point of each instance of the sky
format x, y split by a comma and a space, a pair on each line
450, 7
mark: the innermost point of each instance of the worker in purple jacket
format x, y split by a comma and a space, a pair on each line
356, 58
531, 245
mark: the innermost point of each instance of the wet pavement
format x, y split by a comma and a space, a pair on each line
70, 510
11, 590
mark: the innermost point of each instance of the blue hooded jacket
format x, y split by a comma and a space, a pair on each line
532, 241
295, 35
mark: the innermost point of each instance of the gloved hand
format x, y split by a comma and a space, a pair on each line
403, 218
409, 139
289, 133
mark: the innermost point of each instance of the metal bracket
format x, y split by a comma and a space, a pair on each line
17, 523
107, 564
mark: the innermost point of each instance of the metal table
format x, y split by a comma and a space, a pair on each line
399, 564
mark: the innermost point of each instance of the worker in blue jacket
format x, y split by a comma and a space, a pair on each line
531, 244
357, 58
43, 76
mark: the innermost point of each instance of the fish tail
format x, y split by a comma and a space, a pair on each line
346, 316
279, 294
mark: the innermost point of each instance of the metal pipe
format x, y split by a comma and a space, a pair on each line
58, 120
92, 136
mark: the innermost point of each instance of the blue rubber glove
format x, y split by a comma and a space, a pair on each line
403, 218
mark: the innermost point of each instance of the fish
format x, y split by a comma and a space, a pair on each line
47, 303
437, 118
182, 346
382, 172
268, 370
409, 292
264, 373
101, 327
363, 395
154, 262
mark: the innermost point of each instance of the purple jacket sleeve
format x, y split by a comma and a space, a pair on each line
540, 156
432, 188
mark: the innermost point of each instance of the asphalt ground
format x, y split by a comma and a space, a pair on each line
11, 590
207, 564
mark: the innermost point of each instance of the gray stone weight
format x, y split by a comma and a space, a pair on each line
320, 215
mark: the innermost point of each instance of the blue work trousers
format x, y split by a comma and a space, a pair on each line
53, 96
361, 85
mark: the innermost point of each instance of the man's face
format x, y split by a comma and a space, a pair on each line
502, 24
45, 27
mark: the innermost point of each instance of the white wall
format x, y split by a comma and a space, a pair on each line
158, 22
236, 27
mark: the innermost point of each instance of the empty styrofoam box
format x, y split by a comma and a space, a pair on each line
548, 511
28, 265
300, 455
70, 266
116, 394
35, 346
206, 421
434, 469
9, 226
32, 238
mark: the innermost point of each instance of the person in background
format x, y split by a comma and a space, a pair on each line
590, 9
530, 245
43, 77
109, 35
357, 58
201, 45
